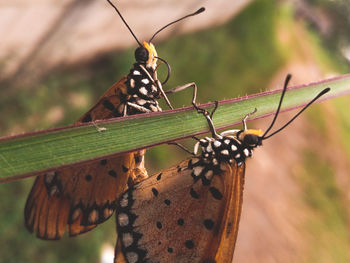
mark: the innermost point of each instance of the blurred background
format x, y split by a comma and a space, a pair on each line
57, 58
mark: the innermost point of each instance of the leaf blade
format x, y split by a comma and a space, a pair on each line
25, 155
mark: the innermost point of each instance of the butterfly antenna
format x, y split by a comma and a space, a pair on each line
279, 104
200, 10
304, 108
169, 69
132, 33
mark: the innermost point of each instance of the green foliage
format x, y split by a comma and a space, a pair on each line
329, 239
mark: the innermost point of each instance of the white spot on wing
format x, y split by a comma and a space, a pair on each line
227, 141
209, 174
237, 156
132, 257
76, 214
49, 177
127, 239
233, 147
107, 212
132, 83
124, 202
197, 170
123, 219
136, 72
93, 216
53, 190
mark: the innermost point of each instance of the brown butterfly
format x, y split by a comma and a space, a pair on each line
190, 212
82, 196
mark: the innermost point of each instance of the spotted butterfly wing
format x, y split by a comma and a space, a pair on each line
179, 215
191, 212
81, 196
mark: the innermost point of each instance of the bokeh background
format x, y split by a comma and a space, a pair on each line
57, 58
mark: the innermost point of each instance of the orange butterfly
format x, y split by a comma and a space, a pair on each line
190, 212
82, 196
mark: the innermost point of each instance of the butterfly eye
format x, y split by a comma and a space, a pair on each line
141, 54
251, 140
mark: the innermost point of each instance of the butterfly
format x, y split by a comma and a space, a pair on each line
80, 197
191, 212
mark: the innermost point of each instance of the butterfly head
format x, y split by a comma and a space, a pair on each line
146, 54
237, 145
250, 138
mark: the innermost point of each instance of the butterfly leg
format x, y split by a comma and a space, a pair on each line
157, 83
99, 129
139, 173
246, 117
183, 87
208, 116
182, 147
138, 107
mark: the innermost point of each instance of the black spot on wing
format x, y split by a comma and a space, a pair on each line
108, 105
87, 118
215, 193
189, 244
159, 176
112, 173
103, 162
88, 177
167, 201
180, 221
155, 192
194, 194
159, 225
137, 159
208, 224
125, 169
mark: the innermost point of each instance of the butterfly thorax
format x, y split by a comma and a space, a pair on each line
143, 87
224, 149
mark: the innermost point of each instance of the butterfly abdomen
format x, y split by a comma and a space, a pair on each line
142, 88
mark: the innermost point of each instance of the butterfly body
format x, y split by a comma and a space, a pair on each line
187, 213
82, 196
191, 212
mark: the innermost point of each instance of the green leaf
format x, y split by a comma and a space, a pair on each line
26, 155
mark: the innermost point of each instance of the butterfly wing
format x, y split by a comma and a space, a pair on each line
82, 196
175, 217
109, 105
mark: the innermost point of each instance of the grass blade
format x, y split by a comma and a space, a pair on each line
25, 155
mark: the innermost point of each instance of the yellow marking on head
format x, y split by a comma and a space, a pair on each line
258, 133
152, 53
